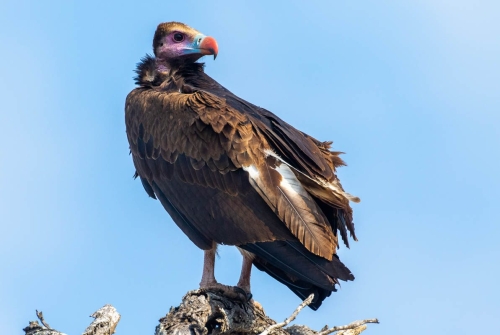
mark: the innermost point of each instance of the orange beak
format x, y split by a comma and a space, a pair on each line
208, 46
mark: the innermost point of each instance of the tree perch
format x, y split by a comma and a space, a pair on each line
208, 312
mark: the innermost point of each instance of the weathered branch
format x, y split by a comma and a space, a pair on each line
354, 328
42, 320
209, 312
352, 325
204, 312
34, 328
105, 321
291, 317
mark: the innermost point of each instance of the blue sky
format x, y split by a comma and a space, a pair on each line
409, 90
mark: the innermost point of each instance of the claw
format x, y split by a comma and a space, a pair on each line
244, 293
231, 292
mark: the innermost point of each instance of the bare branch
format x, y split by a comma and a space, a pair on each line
352, 325
291, 317
34, 328
354, 331
106, 319
204, 312
42, 320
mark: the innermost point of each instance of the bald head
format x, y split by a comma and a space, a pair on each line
175, 41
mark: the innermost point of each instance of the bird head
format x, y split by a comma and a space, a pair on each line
176, 42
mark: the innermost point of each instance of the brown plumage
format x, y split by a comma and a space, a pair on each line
229, 172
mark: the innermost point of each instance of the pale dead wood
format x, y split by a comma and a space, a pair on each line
204, 312
211, 313
34, 328
105, 321
42, 320
292, 317
352, 325
354, 331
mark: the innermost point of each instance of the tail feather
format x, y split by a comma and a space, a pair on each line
301, 271
300, 287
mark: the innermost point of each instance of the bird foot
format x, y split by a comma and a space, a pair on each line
231, 292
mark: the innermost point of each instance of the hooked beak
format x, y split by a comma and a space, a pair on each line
206, 45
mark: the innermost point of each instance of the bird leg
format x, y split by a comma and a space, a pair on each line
208, 276
208, 282
246, 270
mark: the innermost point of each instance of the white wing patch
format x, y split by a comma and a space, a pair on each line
279, 187
334, 186
252, 171
289, 182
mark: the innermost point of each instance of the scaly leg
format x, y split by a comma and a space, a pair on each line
246, 270
208, 276
208, 282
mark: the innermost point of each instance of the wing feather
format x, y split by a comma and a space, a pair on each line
313, 161
277, 184
225, 128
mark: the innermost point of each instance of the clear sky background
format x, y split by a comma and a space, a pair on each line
410, 90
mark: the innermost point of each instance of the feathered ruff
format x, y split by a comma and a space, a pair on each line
147, 74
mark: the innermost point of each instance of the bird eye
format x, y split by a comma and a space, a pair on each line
161, 44
178, 37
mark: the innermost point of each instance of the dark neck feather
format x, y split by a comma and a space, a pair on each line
149, 73
189, 71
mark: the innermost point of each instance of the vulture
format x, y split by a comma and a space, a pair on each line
229, 172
